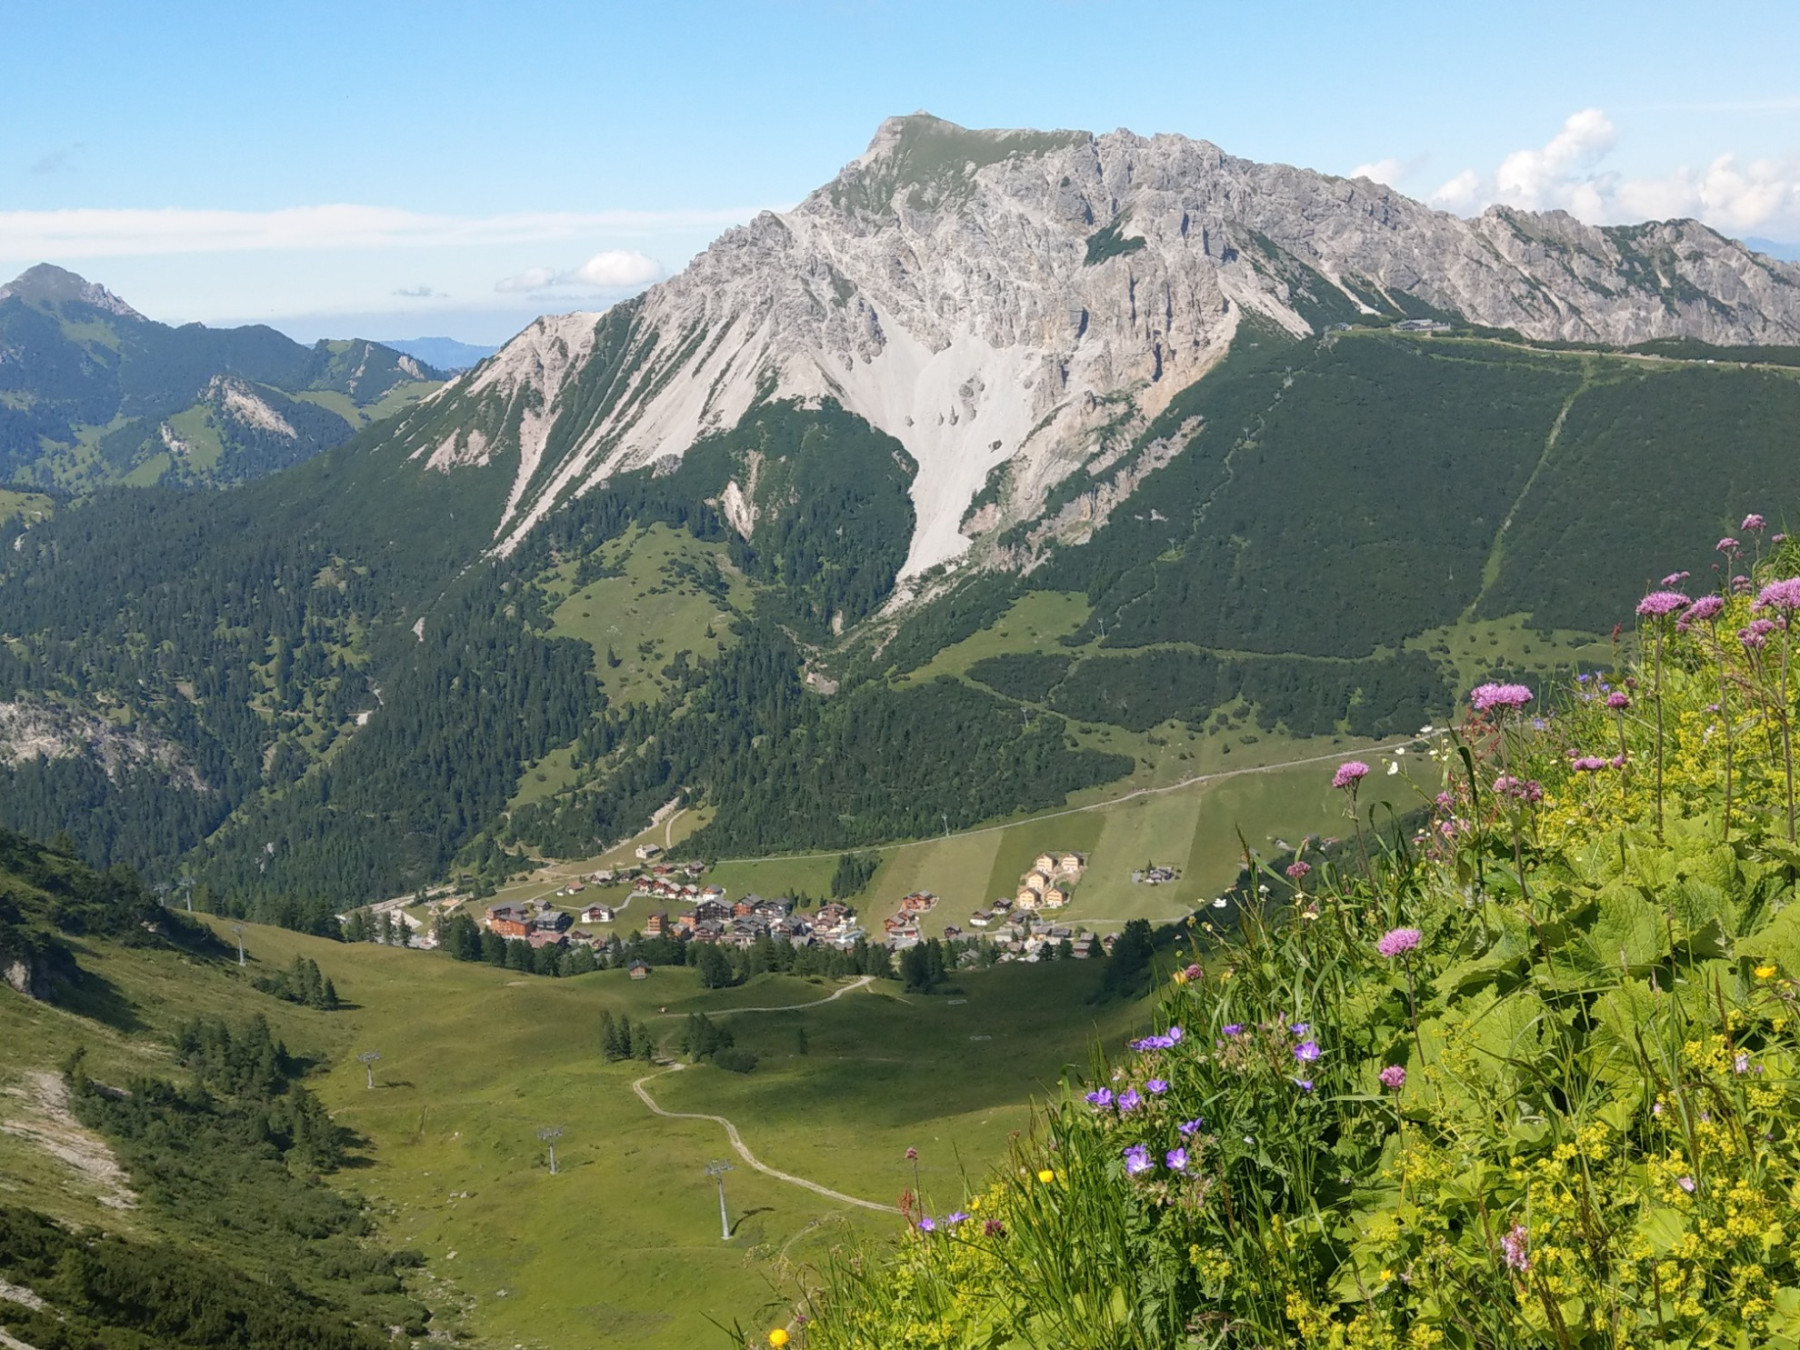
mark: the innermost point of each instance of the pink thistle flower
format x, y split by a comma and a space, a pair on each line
1706, 607
1740, 585
1296, 871
1485, 697
1727, 545
1590, 764
1515, 1246
1399, 941
1393, 1078
1661, 604
1674, 579
1618, 700
1753, 523
1781, 595
1349, 775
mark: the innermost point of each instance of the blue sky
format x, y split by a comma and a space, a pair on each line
401, 169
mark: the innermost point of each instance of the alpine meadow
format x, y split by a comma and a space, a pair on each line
1075, 741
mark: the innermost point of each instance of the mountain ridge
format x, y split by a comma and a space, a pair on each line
93, 392
1023, 300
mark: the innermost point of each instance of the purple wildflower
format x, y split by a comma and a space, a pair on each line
1100, 1098
1190, 1127
1177, 1159
1516, 1249
1129, 1100
1741, 1064
1304, 1084
1727, 545
955, 1217
1674, 579
1686, 1184
1399, 941
1753, 524
1137, 1160
928, 1224
993, 1228
1233, 1029
1781, 595
1706, 607
1300, 1028
1350, 774
1778, 539
1661, 604
1589, 764
1755, 634
1296, 871
1307, 1051
1174, 1033
1485, 697
1393, 1078
1619, 700
1740, 585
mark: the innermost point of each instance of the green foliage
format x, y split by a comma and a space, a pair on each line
107, 1293
230, 1163
854, 872
702, 1038
1525, 1078
301, 983
922, 967
1027, 676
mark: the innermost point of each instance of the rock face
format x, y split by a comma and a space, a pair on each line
1031, 299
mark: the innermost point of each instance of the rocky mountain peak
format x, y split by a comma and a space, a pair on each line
1026, 302
48, 284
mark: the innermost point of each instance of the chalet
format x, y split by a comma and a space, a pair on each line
951, 932
775, 909
645, 852
604, 877
709, 930
981, 918
657, 924
919, 902
581, 936
744, 908
708, 909
1001, 905
550, 921
1071, 864
1045, 863
544, 937
638, 970
1054, 897
599, 914
509, 921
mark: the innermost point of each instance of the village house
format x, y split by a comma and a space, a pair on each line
546, 937
1071, 864
638, 970
509, 921
599, 914
580, 937
604, 877
550, 921
645, 852
981, 918
919, 902
657, 924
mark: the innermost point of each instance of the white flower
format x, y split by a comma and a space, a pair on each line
1393, 767
1219, 903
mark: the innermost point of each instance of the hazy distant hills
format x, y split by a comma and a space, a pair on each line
444, 353
92, 392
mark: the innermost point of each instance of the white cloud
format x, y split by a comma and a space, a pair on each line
617, 268
1390, 172
131, 232
613, 270
1568, 173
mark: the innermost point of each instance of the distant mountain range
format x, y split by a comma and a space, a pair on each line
444, 353
92, 392
1279, 454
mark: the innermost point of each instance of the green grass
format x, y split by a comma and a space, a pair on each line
1478, 649
645, 604
1033, 623
30, 507
624, 1241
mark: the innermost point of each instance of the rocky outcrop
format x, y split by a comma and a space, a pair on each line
1011, 298
32, 729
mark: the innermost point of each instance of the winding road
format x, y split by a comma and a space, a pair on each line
731, 1131
743, 1150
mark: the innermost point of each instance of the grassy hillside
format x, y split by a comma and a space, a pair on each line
1526, 1078
474, 1061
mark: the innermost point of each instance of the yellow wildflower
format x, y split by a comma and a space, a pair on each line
778, 1337
1765, 972
1046, 1176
